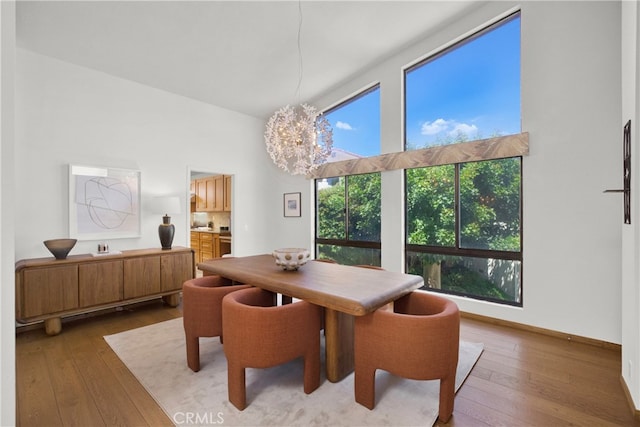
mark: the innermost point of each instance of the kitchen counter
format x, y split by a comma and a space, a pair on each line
211, 230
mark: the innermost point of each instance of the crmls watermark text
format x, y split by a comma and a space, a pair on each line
198, 418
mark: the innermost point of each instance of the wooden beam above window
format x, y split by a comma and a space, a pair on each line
484, 149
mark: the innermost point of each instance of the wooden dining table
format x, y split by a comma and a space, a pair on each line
344, 291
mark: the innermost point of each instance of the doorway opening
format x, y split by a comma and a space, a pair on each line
210, 214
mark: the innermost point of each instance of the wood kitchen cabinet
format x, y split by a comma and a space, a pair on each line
213, 193
218, 205
195, 246
206, 246
48, 289
226, 205
205, 194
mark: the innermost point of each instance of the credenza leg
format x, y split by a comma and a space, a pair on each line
53, 326
172, 300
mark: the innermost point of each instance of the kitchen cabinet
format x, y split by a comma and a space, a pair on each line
48, 289
195, 246
213, 193
226, 205
206, 246
218, 182
205, 194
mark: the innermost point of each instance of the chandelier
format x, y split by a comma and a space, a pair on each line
298, 139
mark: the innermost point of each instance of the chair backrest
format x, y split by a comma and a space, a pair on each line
419, 303
255, 329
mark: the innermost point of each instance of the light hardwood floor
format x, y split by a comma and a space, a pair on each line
521, 379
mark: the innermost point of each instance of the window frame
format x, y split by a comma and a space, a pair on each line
456, 250
364, 244
433, 57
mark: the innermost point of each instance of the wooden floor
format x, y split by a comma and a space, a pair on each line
521, 379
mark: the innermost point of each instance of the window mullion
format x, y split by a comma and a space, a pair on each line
456, 204
346, 208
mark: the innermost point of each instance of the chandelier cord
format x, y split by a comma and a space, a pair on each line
300, 66
298, 139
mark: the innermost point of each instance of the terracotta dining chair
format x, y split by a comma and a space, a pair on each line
260, 334
202, 312
419, 340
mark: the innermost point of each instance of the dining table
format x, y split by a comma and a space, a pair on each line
344, 292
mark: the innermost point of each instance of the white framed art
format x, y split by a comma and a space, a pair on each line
104, 203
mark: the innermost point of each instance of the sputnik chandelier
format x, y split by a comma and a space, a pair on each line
298, 139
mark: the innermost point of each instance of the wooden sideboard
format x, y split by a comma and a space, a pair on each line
48, 289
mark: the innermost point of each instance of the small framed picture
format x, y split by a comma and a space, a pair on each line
292, 204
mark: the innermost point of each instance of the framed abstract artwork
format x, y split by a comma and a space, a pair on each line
104, 203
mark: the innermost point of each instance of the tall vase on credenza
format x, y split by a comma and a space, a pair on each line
166, 230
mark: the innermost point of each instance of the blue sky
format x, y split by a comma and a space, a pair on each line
356, 125
473, 90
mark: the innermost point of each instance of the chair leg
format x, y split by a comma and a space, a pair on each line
193, 352
312, 370
236, 386
447, 396
365, 386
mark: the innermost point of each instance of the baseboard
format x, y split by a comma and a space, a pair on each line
542, 331
632, 405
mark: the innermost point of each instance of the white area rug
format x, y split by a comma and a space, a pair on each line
156, 355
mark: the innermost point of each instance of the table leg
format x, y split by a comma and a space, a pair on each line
338, 331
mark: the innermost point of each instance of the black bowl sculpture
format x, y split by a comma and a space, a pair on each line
60, 248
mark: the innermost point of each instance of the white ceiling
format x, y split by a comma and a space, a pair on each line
239, 55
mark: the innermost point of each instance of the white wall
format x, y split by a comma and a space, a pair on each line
68, 114
571, 106
7, 307
631, 233
571, 109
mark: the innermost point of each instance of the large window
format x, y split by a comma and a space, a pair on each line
467, 92
348, 207
348, 219
356, 126
463, 220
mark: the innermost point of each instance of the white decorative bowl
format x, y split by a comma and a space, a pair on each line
291, 258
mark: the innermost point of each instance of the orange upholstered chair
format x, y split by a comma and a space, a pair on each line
202, 312
419, 340
259, 334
